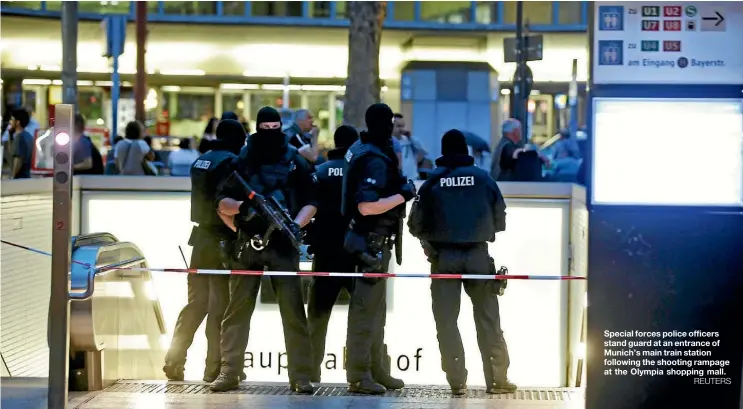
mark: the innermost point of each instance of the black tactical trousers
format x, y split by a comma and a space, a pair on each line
243, 298
324, 292
207, 297
446, 296
367, 316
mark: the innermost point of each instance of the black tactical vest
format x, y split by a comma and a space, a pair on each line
206, 173
329, 222
353, 168
455, 205
272, 179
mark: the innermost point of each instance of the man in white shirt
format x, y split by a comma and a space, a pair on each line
411, 152
180, 161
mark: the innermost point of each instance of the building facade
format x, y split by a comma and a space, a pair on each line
205, 57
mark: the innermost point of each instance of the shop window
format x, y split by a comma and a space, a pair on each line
404, 10
486, 12
535, 12
320, 9
30, 5
234, 103
190, 8
90, 105
341, 9
454, 12
195, 107
233, 8
277, 8
99, 7
569, 12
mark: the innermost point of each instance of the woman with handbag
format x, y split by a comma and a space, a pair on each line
133, 155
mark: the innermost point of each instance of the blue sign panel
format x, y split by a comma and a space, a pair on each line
610, 52
611, 18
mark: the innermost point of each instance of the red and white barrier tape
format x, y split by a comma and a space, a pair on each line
350, 274
317, 273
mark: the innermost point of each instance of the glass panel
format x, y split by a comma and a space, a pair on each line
31, 5
404, 10
535, 12
320, 9
188, 113
152, 7
486, 12
341, 9
446, 11
90, 105
317, 103
233, 8
190, 8
101, 7
277, 8
234, 103
569, 12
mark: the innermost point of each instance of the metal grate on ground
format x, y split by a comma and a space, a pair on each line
415, 391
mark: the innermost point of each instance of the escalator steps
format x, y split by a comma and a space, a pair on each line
420, 392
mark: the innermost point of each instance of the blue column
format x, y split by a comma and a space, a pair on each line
115, 38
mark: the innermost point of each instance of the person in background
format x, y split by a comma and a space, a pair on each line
148, 140
302, 134
31, 128
111, 168
566, 164
209, 135
508, 150
23, 145
180, 161
131, 153
82, 150
411, 151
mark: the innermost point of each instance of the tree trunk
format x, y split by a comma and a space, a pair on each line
364, 37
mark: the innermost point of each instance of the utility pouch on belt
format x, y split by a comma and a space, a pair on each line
499, 287
367, 248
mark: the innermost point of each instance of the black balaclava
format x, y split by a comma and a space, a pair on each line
267, 144
345, 136
454, 143
230, 135
229, 115
379, 124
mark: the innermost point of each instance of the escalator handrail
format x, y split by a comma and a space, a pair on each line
94, 272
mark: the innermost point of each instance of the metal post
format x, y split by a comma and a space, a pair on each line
140, 87
519, 88
59, 307
285, 98
69, 52
115, 85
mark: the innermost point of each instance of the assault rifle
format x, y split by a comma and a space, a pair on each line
271, 211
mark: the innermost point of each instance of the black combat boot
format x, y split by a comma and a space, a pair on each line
174, 372
366, 386
302, 386
501, 386
459, 390
388, 381
225, 383
211, 376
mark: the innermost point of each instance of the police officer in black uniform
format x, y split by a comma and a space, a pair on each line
457, 244
273, 169
374, 196
207, 295
328, 233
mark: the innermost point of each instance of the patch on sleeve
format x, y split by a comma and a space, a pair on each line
348, 156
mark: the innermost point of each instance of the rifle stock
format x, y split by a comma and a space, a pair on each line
272, 212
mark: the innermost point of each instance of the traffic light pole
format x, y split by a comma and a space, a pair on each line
69, 52
521, 96
59, 307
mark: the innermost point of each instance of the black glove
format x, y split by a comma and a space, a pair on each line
407, 191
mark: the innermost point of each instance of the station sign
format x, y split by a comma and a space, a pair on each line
668, 43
